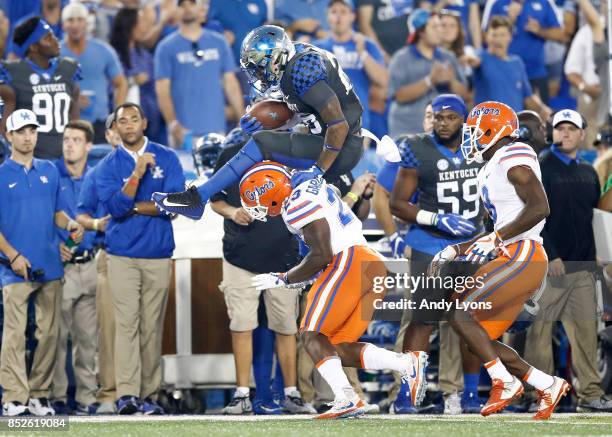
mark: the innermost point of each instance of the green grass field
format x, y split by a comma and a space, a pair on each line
371, 426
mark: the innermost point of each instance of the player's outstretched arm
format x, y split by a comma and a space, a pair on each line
530, 190
317, 237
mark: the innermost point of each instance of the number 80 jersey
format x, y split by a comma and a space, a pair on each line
313, 200
48, 93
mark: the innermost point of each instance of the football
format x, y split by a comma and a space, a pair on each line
272, 114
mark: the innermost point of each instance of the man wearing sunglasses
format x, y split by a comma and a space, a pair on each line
194, 66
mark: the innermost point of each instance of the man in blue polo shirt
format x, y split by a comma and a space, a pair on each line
535, 21
139, 243
502, 77
194, 74
79, 290
359, 56
30, 211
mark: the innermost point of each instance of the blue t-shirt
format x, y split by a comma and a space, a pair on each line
239, 17
70, 190
99, 65
29, 200
526, 44
348, 58
288, 11
502, 80
196, 83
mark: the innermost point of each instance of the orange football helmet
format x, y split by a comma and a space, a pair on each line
487, 123
263, 189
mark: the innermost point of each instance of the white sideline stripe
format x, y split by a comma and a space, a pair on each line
508, 418
323, 298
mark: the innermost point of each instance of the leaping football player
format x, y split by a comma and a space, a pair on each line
511, 190
341, 299
315, 88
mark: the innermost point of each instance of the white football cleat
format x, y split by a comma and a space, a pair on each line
40, 407
344, 409
550, 397
414, 375
502, 394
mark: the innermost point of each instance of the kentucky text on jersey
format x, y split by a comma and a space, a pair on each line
458, 174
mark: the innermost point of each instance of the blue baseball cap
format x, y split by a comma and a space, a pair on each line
451, 102
417, 20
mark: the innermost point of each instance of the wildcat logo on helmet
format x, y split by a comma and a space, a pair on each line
259, 191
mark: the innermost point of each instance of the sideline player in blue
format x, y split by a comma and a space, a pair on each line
316, 88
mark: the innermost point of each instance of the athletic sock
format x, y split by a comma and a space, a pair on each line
242, 392
538, 379
470, 384
232, 171
330, 369
497, 370
377, 358
290, 390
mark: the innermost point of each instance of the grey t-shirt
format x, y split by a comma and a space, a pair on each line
408, 66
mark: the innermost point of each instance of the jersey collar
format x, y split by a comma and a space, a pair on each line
46, 74
437, 54
455, 157
136, 155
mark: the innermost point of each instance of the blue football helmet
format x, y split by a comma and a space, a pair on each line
206, 152
264, 55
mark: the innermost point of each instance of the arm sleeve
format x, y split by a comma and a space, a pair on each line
550, 18
113, 67
386, 175
374, 52
409, 160
226, 155
318, 96
88, 198
518, 154
308, 70
304, 208
527, 91
229, 65
109, 187
162, 62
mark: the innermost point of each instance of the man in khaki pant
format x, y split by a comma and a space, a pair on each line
30, 211
94, 217
78, 304
139, 243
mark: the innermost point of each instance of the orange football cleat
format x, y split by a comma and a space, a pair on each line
550, 397
502, 394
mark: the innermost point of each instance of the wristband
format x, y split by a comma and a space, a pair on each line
133, 180
15, 259
332, 148
96, 222
426, 218
354, 197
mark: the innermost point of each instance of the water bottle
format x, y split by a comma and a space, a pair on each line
72, 245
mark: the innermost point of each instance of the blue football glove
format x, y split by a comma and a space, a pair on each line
250, 125
397, 243
454, 225
305, 175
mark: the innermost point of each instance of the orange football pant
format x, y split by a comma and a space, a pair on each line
340, 303
507, 283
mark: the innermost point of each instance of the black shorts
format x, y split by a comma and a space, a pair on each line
306, 148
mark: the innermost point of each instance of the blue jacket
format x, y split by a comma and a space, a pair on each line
134, 235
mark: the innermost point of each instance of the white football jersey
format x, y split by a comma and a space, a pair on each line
313, 200
498, 194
